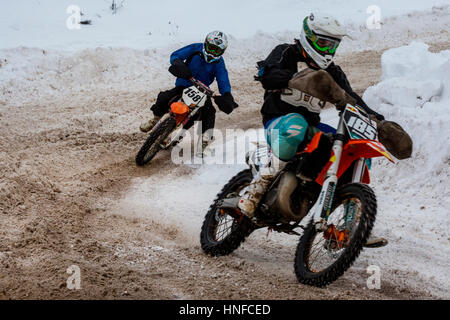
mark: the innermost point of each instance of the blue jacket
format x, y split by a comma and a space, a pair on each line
202, 70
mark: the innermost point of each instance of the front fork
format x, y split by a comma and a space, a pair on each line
326, 196
358, 170
177, 134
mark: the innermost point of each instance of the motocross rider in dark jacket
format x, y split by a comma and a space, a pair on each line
319, 39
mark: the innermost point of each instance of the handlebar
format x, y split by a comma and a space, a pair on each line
202, 87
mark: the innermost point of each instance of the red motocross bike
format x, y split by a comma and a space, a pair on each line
341, 205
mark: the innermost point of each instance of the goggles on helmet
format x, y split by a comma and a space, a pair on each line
213, 49
322, 44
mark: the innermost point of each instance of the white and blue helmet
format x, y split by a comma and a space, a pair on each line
215, 44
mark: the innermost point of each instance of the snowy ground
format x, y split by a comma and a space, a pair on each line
413, 194
70, 192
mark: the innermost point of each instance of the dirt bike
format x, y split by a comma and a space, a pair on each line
168, 131
345, 206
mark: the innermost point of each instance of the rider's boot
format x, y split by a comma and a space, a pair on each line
258, 187
148, 125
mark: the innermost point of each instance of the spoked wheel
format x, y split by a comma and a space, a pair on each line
322, 257
225, 226
224, 230
153, 143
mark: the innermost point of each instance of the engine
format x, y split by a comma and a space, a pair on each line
289, 200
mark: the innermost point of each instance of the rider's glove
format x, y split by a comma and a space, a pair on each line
226, 102
378, 116
180, 70
340, 105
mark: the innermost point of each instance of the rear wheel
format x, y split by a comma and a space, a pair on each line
322, 257
153, 143
222, 231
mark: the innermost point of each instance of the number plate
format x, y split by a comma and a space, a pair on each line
193, 97
358, 125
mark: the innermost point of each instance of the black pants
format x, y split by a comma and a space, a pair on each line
207, 114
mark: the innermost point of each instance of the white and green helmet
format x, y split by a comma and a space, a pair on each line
216, 43
320, 37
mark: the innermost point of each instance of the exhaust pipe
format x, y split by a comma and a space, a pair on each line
288, 184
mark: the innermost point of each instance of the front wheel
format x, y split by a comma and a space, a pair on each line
222, 232
152, 145
323, 256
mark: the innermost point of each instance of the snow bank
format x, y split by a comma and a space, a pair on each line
415, 92
431, 26
28, 74
142, 24
42, 59
414, 194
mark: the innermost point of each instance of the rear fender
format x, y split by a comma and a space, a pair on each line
314, 143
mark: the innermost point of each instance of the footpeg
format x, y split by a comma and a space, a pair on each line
228, 203
376, 242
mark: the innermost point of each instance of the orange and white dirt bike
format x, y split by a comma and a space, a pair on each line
339, 204
169, 130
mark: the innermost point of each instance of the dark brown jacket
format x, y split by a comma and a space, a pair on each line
276, 71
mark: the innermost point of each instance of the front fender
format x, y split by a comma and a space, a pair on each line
367, 149
352, 151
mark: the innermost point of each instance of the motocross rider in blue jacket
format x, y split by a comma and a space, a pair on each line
204, 62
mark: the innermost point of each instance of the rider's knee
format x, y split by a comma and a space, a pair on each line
294, 128
287, 134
